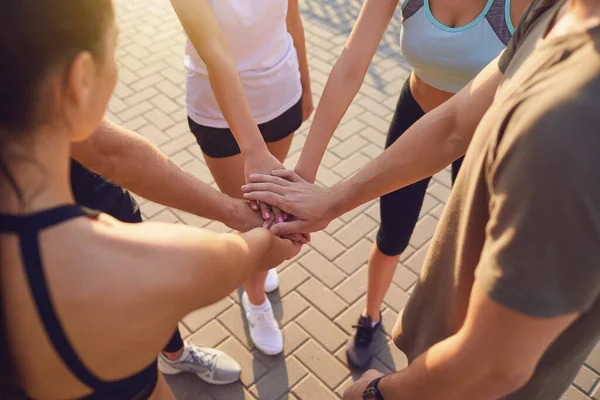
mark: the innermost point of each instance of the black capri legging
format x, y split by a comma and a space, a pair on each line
400, 209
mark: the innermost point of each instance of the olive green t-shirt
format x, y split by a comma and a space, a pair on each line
523, 219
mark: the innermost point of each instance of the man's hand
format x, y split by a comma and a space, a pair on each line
311, 205
355, 391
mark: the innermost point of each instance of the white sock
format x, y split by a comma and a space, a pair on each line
261, 307
373, 324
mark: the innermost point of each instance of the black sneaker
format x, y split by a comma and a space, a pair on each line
360, 347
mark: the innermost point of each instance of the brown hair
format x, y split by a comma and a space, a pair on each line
37, 37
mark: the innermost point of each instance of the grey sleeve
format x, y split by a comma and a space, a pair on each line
542, 251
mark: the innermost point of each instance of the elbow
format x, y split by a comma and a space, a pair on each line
352, 73
501, 382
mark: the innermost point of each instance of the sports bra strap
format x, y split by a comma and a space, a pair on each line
40, 220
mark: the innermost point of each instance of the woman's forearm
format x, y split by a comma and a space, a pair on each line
345, 81
205, 34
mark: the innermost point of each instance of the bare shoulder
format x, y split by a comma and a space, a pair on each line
517, 7
156, 242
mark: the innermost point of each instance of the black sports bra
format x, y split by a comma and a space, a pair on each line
137, 387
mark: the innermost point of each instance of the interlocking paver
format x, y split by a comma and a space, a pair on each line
322, 268
322, 297
322, 329
311, 388
322, 363
322, 290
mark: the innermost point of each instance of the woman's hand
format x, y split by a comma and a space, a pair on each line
312, 206
264, 162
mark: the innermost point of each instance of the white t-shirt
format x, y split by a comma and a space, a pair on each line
265, 57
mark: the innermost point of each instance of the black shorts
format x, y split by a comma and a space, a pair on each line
95, 192
220, 142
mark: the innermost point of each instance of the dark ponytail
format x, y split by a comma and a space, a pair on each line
37, 39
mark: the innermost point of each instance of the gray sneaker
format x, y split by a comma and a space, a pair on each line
211, 365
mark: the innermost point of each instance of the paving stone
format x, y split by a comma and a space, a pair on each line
322, 329
586, 379
276, 383
415, 262
198, 319
210, 335
291, 278
423, 231
321, 297
326, 245
353, 287
322, 364
355, 257
312, 388
252, 368
235, 321
593, 360
574, 394
404, 277
393, 358
322, 268
292, 305
395, 298
355, 230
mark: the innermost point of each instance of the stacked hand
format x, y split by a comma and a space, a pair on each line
310, 204
261, 164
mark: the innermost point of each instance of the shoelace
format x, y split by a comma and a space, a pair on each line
203, 358
262, 321
364, 332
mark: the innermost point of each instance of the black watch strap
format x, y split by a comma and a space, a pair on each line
372, 392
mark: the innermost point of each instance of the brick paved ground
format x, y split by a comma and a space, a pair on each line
322, 291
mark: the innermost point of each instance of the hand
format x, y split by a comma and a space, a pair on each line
311, 205
263, 163
280, 251
243, 218
355, 391
307, 104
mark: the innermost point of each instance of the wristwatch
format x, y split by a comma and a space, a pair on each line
371, 392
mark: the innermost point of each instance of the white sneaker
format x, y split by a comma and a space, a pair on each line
211, 365
272, 281
264, 330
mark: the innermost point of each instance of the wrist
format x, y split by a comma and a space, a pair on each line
257, 149
306, 172
336, 205
228, 212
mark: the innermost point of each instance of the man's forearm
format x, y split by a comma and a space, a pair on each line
421, 152
451, 372
134, 163
431, 144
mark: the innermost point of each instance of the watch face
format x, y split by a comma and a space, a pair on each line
370, 393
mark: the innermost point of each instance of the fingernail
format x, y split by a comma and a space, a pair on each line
279, 219
244, 187
285, 216
254, 206
265, 224
267, 215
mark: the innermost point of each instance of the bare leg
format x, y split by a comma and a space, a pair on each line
229, 176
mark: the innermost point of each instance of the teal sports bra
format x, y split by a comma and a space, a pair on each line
449, 58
